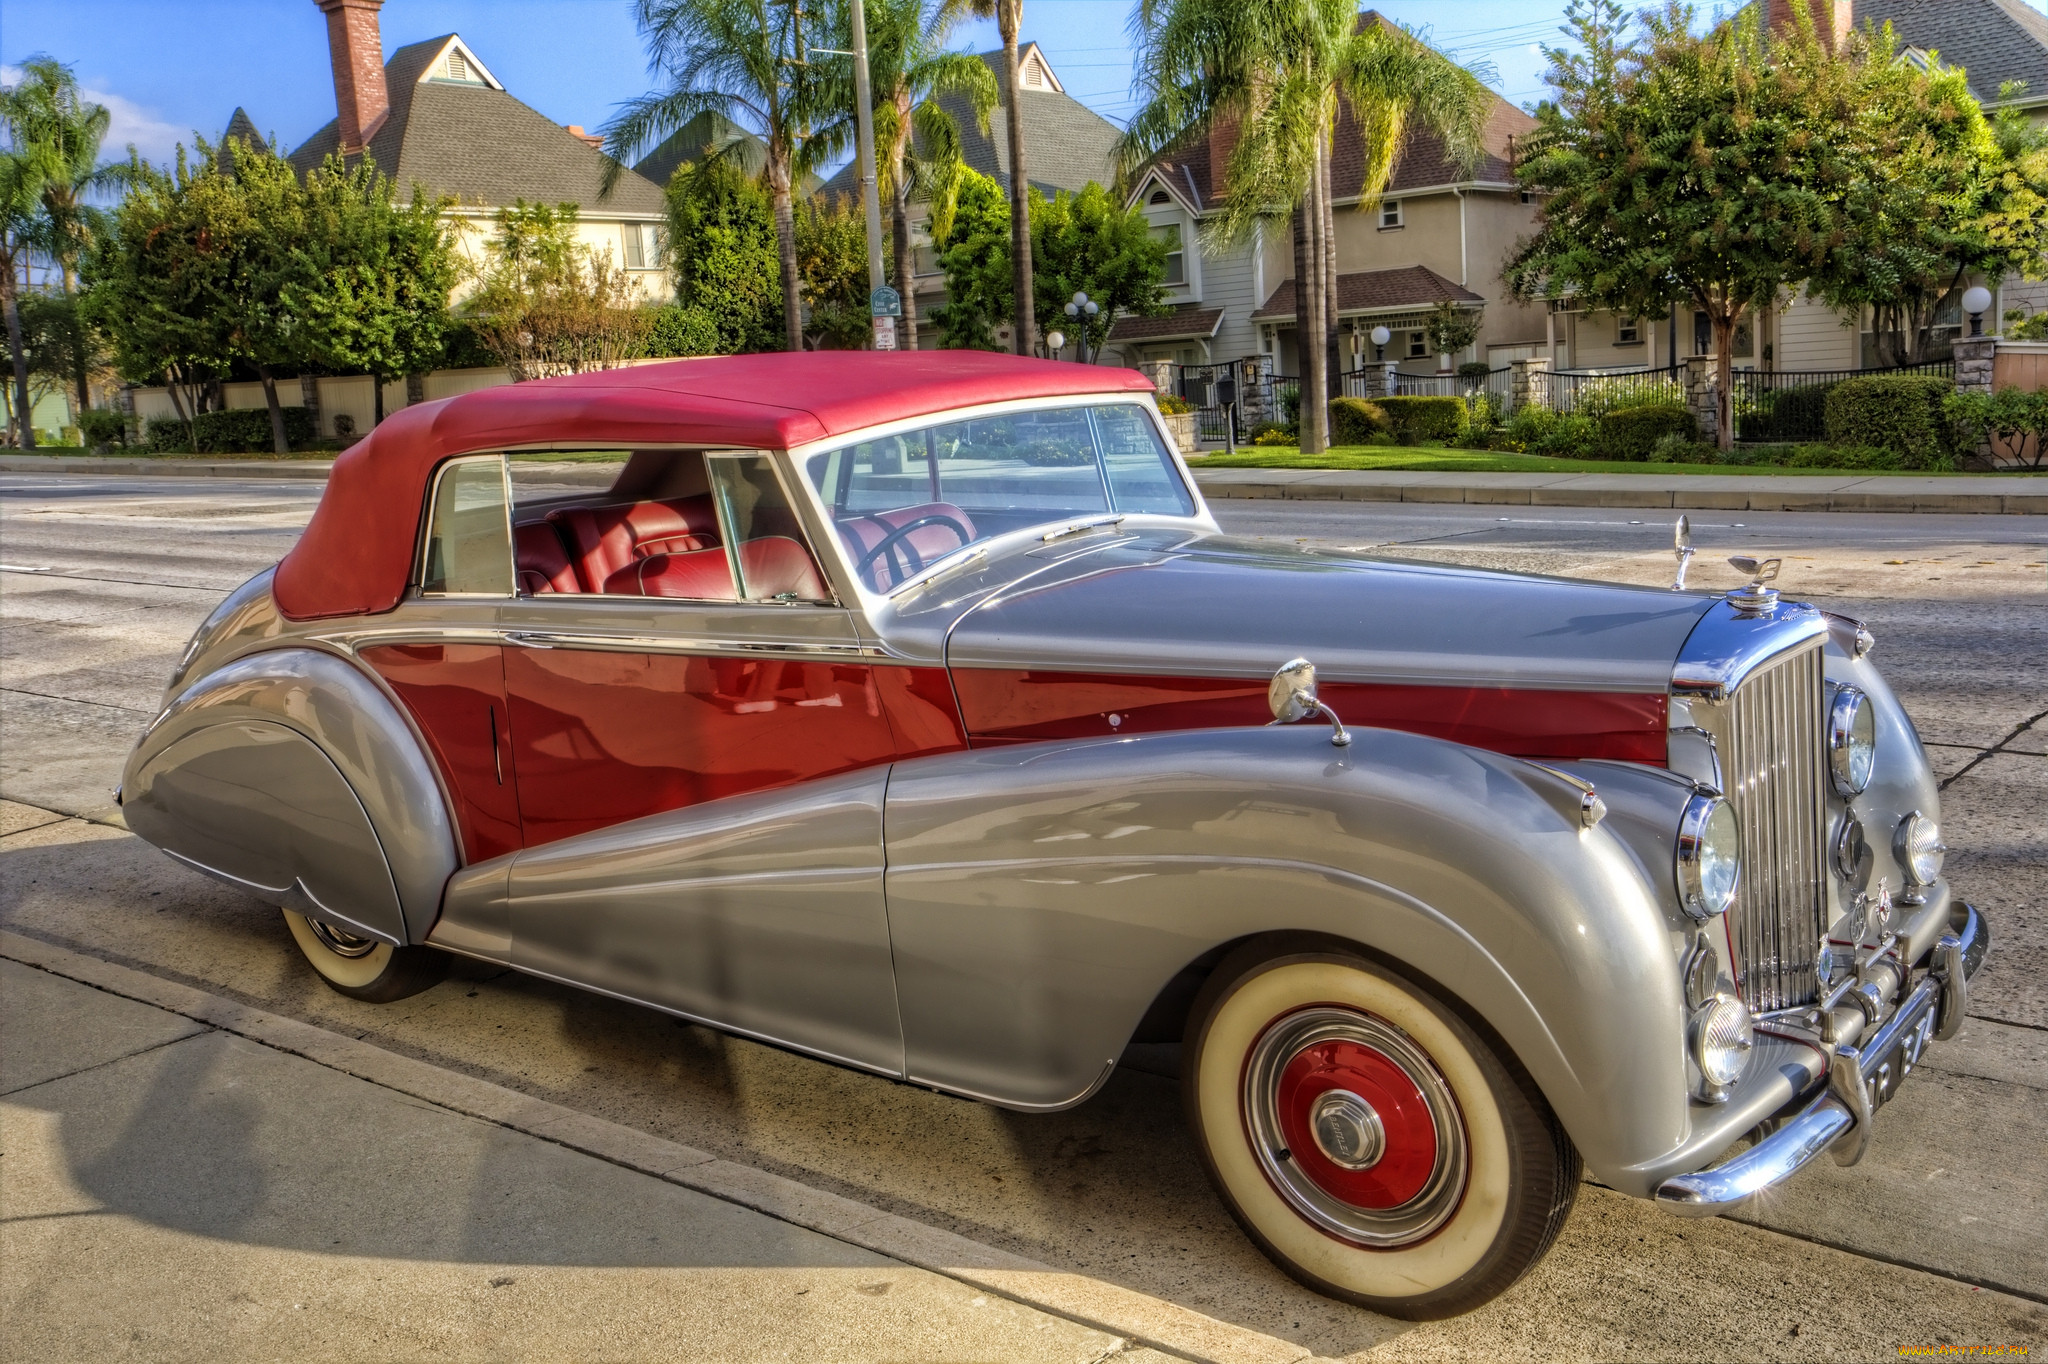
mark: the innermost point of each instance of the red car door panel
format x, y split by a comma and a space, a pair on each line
456, 694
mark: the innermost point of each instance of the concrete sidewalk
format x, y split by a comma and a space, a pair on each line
179, 1190
2007, 494
1995, 494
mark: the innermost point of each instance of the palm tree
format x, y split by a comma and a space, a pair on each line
1276, 74
1009, 17
45, 108
917, 143
23, 169
748, 60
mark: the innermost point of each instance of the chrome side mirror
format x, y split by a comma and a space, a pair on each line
1292, 696
1681, 546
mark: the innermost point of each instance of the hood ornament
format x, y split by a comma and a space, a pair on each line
1756, 595
1681, 548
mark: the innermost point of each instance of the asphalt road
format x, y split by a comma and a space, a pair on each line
1939, 1237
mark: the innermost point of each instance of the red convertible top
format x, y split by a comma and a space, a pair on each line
356, 554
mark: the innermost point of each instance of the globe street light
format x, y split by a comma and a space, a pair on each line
1055, 342
1976, 300
1380, 337
1085, 309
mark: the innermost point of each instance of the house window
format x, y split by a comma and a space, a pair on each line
1628, 331
1390, 214
1176, 256
1160, 196
1418, 345
646, 245
1525, 197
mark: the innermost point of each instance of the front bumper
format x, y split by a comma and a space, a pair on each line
1837, 1114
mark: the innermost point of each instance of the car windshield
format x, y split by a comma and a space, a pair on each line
903, 502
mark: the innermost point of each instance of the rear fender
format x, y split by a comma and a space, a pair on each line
291, 774
1041, 896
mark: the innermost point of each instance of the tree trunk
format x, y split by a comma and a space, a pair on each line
277, 440
899, 218
1308, 314
1332, 351
185, 405
24, 415
78, 351
785, 250
377, 398
1724, 376
1011, 18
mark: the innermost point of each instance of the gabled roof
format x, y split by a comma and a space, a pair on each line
689, 143
471, 139
1066, 144
1375, 291
1995, 41
241, 126
1421, 163
1187, 322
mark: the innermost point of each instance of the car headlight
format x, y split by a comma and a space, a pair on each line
1852, 741
1919, 848
1709, 856
1722, 1035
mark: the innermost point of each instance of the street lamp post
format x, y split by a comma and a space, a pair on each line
885, 305
1084, 309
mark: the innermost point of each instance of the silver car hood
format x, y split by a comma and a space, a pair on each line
1170, 603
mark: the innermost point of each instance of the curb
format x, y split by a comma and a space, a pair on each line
171, 467
1791, 493
1137, 1317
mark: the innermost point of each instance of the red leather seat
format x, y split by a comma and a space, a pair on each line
604, 540
540, 561
774, 565
913, 551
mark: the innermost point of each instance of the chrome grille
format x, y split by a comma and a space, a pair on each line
1774, 764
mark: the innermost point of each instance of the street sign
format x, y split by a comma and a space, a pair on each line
885, 302
885, 333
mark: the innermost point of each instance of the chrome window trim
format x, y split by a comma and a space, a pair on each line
426, 531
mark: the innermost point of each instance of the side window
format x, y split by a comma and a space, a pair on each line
764, 541
468, 551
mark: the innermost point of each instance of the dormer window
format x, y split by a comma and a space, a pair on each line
1390, 214
1160, 196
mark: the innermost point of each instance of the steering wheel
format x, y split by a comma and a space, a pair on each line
895, 537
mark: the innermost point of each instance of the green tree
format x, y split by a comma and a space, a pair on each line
1009, 17
23, 170
1276, 74
545, 304
45, 108
748, 61
1715, 167
917, 143
975, 254
1090, 243
1452, 328
375, 297
725, 253
832, 254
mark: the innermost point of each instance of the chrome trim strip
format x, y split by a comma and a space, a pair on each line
1728, 645
667, 644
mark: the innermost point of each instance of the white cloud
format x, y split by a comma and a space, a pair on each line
127, 122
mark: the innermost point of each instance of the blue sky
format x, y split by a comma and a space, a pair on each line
167, 69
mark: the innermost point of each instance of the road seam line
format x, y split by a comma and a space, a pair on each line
1074, 1296
201, 1031
1994, 750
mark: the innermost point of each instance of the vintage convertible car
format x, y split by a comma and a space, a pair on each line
911, 711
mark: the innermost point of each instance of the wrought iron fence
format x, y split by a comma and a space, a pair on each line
1791, 405
1262, 397
1496, 386
1594, 391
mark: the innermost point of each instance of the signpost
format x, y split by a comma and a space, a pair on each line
885, 305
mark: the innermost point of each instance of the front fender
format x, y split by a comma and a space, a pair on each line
1041, 895
290, 773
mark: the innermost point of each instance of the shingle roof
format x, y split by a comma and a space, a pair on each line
1994, 40
688, 143
1066, 144
1188, 321
480, 145
1420, 163
1411, 286
240, 125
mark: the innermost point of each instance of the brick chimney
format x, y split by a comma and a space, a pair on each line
1222, 141
357, 52
591, 139
1833, 20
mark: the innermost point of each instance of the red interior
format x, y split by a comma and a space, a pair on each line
774, 565
912, 552
542, 562
604, 540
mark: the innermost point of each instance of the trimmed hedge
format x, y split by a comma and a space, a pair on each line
1425, 418
1904, 413
1354, 421
239, 431
1787, 414
101, 427
1633, 432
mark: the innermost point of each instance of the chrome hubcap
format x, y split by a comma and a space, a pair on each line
1354, 1126
339, 943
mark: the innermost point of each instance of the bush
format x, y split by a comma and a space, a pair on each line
1786, 414
1419, 419
1272, 433
1354, 421
674, 329
1540, 431
2006, 422
241, 431
102, 427
1473, 370
1673, 448
1633, 432
1174, 406
1904, 413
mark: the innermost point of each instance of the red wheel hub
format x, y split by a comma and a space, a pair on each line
1315, 1084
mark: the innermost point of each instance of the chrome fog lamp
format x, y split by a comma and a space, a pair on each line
1709, 856
1919, 848
1722, 1035
1852, 741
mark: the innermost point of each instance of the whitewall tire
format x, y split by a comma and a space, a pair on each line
1365, 1134
363, 968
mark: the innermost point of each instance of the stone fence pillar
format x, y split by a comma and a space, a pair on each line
1976, 357
1529, 382
1160, 372
1700, 395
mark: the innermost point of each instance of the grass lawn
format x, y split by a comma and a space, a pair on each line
1437, 458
